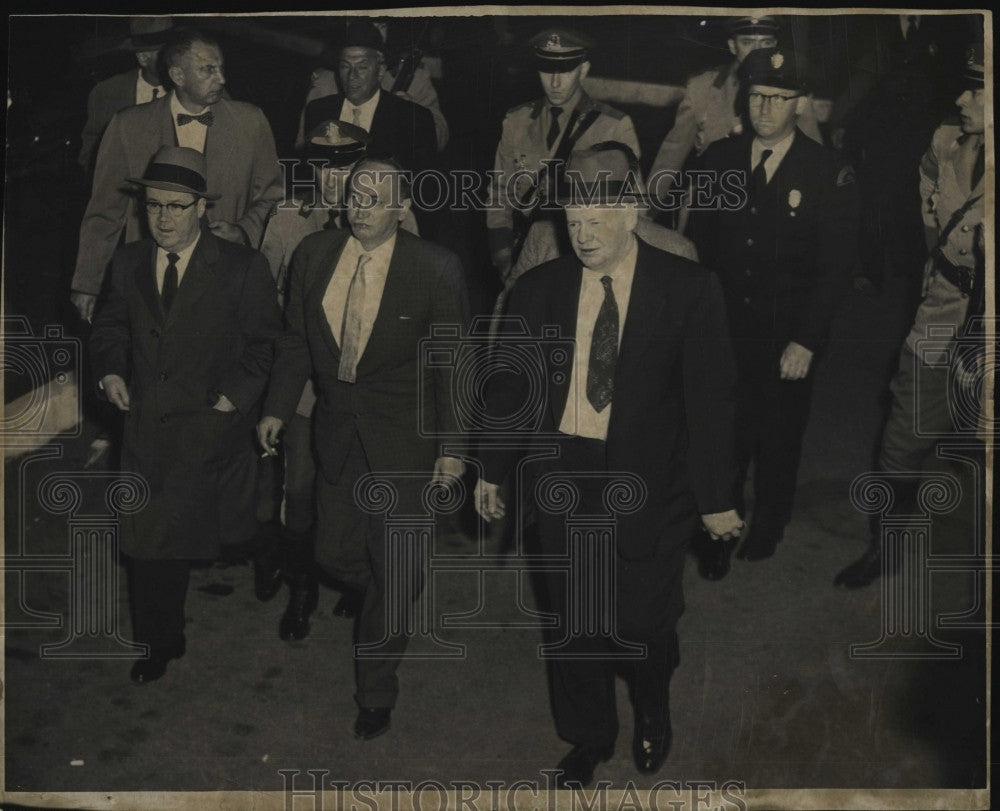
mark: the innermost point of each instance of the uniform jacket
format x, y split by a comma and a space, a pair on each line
399, 127
522, 147
200, 463
672, 410
106, 98
395, 394
242, 166
785, 259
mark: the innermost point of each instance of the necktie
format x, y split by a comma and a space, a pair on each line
156, 92
205, 118
350, 333
356, 112
979, 166
169, 282
550, 139
759, 178
603, 351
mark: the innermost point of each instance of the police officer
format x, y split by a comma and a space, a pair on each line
784, 255
708, 111
550, 127
951, 195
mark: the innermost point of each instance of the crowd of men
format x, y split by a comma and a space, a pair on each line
694, 346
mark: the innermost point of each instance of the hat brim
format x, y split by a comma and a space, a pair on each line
611, 194
164, 185
558, 64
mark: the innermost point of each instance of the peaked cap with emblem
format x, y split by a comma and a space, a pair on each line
560, 50
339, 143
974, 66
761, 25
773, 67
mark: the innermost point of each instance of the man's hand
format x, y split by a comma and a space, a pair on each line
84, 303
228, 231
795, 361
447, 469
117, 392
224, 404
267, 434
723, 526
488, 502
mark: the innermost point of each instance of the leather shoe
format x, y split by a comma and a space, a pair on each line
577, 767
303, 595
349, 605
153, 668
762, 541
862, 572
372, 722
651, 744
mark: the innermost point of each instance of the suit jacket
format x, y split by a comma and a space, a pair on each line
395, 394
672, 410
106, 98
242, 166
200, 463
785, 259
399, 127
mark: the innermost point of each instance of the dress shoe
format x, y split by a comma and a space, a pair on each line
303, 595
372, 722
349, 604
651, 743
863, 572
577, 768
762, 540
151, 669
713, 558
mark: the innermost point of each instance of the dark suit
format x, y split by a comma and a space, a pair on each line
106, 98
670, 424
785, 259
200, 463
372, 424
399, 127
242, 166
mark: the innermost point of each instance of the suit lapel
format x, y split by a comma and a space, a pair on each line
646, 301
198, 277
219, 137
400, 286
327, 264
565, 304
145, 282
168, 134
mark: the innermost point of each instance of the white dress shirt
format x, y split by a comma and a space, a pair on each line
778, 152
146, 92
192, 134
184, 256
366, 112
335, 298
579, 417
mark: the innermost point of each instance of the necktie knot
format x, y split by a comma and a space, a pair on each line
169, 282
556, 111
759, 179
356, 113
553, 133
206, 118
172, 258
606, 282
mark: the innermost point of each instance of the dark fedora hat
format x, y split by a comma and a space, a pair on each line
605, 173
177, 168
148, 33
363, 34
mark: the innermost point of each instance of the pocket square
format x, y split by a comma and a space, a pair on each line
404, 318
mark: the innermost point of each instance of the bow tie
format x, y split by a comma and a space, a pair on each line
205, 118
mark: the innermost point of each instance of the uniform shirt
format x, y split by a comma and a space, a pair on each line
579, 417
523, 147
335, 299
778, 152
366, 112
144, 91
184, 256
192, 134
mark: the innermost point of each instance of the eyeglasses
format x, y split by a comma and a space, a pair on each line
173, 209
758, 99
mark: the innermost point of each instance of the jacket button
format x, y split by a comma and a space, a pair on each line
163, 418
963, 252
748, 273
749, 243
155, 333
965, 228
753, 209
746, 301
163, 375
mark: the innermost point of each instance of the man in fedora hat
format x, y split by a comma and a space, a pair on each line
234, 137
123, 90
647, 393
785, 255
184, 345
952, 188
547, 128
709, 110
398, 127
334, 148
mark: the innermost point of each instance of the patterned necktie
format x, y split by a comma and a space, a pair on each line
550, 139
169, 282
603, 351
759, 178
205, 118
350, 333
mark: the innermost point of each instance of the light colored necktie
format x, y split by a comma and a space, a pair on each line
350, 333
356, 112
